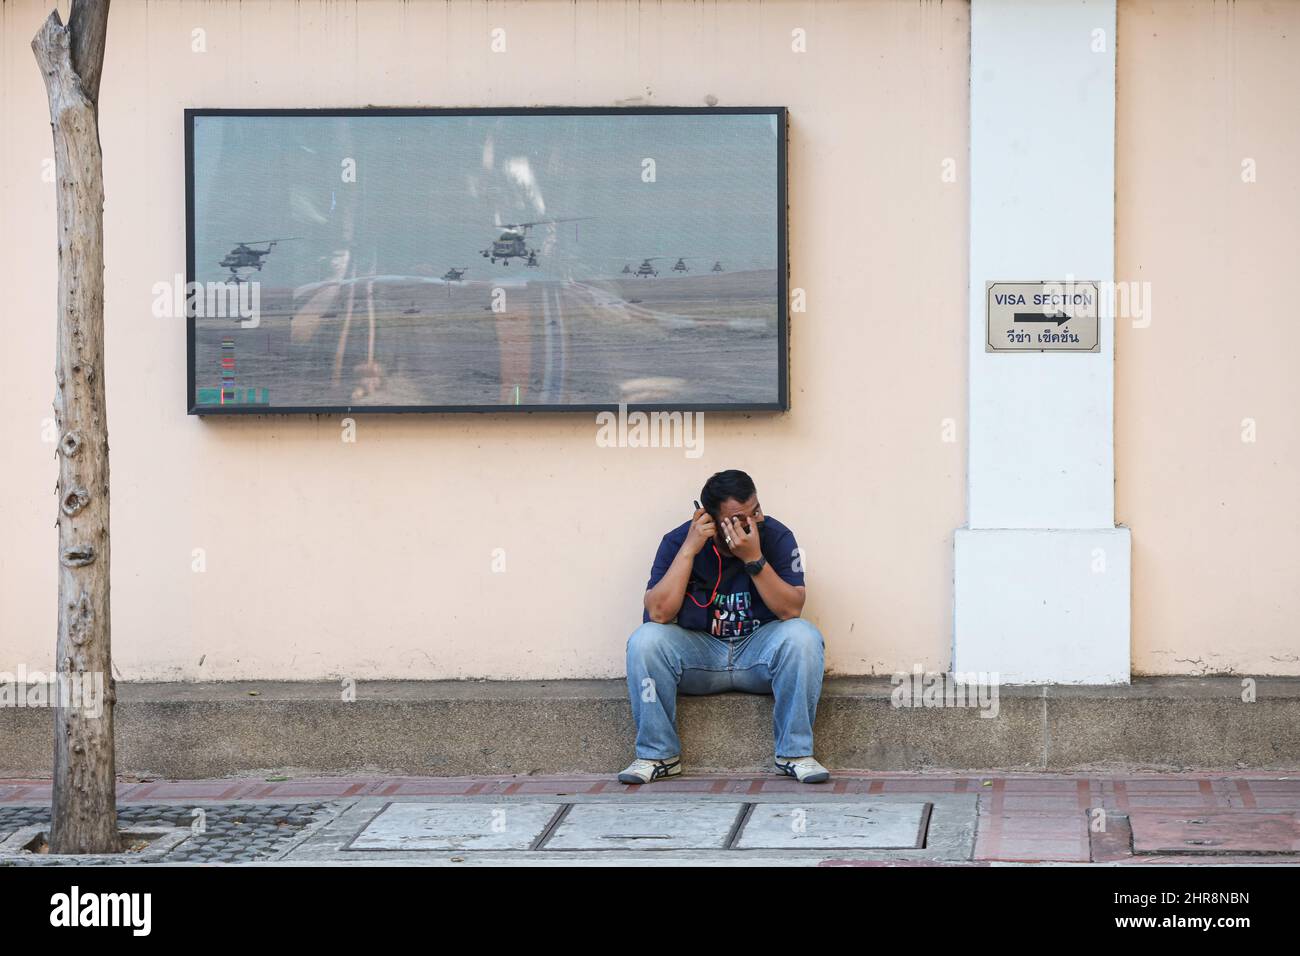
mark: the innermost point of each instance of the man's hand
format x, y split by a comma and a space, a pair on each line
664, 600
742, 539
701, 533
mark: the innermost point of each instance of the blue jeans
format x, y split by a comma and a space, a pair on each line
781, 658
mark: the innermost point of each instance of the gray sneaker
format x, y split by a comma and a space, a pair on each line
803, 769
644, 771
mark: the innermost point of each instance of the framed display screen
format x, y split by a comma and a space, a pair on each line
406, 260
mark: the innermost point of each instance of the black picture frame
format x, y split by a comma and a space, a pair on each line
783, 301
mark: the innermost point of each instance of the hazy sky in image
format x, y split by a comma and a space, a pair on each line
430, 192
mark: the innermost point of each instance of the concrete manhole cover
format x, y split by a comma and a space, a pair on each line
455, 826
624, 826
827, 826
889, 826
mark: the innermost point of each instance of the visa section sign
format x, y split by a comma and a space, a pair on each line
1055, 316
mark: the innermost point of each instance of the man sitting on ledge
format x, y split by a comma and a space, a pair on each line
722, 613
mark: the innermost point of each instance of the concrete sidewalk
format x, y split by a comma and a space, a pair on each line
717, 819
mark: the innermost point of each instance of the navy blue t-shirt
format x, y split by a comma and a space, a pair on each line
738, 609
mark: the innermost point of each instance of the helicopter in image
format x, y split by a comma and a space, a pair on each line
513, 241
455, 275
644, 269
244, 256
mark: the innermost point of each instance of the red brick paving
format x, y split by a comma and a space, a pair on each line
1238, 831
1021, 818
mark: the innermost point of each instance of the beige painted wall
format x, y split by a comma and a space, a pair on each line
1216, 520
373, 559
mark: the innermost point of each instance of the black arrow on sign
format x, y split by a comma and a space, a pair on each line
1060, 318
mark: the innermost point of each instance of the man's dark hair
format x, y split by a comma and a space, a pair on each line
726, 484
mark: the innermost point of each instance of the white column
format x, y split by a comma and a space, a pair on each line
1042, 573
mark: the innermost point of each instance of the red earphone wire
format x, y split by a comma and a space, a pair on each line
717, 584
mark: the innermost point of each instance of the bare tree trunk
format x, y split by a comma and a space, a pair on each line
84, 811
